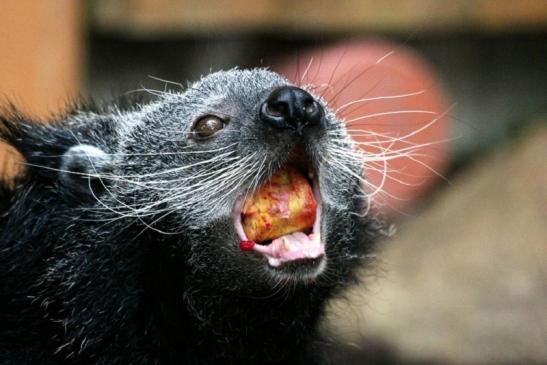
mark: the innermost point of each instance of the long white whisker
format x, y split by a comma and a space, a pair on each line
379, 98
306, 71
167, 81
417, 111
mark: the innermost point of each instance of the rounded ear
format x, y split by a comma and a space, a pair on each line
83, 168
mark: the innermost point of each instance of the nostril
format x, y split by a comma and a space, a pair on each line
278, 109
274, 113
291, 107
313, 112
310, 107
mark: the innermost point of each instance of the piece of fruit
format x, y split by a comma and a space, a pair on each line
283, 205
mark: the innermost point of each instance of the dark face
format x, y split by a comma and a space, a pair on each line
257, 178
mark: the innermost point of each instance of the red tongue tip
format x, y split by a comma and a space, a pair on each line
246, 245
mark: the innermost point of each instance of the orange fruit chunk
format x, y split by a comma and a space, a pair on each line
283, 205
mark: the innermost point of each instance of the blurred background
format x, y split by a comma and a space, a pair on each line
448, 98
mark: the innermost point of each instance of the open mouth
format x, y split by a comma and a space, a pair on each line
281, 220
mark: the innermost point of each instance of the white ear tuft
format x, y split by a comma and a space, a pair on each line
82, 165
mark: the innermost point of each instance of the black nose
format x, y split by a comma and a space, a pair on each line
291, 107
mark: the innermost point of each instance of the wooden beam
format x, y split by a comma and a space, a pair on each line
160, 18
41, 62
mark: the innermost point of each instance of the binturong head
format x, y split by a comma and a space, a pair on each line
244, 156
251, 180
208, 226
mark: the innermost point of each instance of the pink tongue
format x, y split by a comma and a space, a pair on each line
290, 247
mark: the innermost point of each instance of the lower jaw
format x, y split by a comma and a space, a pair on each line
303, 270
305, 262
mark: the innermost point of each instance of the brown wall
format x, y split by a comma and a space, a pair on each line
41, 62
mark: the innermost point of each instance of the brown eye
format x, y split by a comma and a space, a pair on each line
206, 126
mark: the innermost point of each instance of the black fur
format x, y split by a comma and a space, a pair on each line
75, 289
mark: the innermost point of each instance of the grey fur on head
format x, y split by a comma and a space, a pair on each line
133, 255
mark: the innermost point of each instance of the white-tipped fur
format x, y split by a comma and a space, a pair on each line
221, 172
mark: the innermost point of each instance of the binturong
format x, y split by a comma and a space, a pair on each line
209, 226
